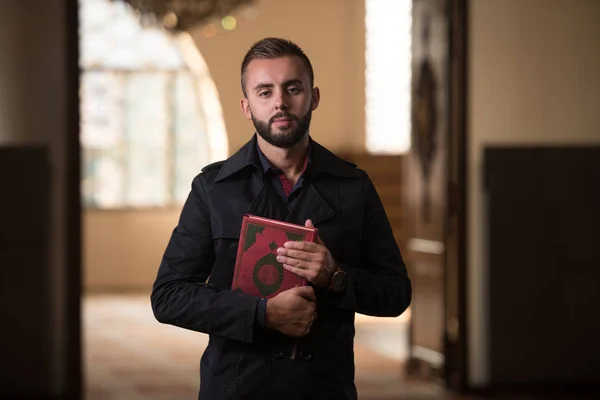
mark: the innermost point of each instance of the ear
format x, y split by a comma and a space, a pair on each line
316, 96
245, 106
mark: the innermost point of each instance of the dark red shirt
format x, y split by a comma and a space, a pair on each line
281, 184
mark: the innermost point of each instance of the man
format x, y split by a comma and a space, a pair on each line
299, 344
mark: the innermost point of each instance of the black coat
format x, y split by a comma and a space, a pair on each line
192, 287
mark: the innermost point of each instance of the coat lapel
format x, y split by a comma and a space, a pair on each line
266, 204
315, 204
320, 197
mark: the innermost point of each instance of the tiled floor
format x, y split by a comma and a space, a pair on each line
130, 356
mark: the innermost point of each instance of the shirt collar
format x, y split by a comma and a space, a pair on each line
322, 161
266, 165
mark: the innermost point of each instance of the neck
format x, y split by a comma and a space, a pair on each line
290, 161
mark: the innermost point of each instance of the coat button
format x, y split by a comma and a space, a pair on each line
306, 355
278, 355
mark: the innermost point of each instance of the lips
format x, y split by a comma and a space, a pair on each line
283, 123
282, 118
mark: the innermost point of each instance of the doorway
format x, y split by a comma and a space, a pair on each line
125, 350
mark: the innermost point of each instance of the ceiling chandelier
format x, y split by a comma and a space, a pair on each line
182, 15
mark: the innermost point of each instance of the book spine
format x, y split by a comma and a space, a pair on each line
238, 259
313, 235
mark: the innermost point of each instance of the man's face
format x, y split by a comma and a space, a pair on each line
279, 99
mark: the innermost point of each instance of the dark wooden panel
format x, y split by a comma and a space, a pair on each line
544, 264
426, 180
24, 272
455, 354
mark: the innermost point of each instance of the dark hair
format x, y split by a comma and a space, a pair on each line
271, 47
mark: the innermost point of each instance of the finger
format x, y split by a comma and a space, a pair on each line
293, 262
297, 254
309, 224
297, 270
307, 274
306, 292
302, 245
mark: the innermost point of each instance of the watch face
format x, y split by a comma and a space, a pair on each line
339, 280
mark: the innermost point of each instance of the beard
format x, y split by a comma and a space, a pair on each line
284, 139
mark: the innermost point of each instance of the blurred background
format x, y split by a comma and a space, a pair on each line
476, 119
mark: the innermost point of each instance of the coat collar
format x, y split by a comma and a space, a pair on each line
322, 161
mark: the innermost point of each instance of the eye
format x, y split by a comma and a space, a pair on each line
294, 90
264, 93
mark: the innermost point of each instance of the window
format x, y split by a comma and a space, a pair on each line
150, 114
388, 75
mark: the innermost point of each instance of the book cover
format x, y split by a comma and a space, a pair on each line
257, 271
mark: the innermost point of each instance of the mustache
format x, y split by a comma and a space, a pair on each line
282, 115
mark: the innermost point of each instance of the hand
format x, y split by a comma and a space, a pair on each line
309, 260
292, 312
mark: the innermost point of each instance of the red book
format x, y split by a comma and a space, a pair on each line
257, 271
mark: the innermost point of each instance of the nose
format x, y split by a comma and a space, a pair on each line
281, 100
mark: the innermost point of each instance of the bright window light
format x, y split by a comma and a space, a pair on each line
388, 75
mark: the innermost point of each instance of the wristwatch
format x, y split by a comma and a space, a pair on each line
338, 281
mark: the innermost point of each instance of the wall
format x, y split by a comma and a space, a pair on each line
123, 248
331, 32
117, 254
35, 108
534, 77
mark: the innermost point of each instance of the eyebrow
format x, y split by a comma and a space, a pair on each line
270, 85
